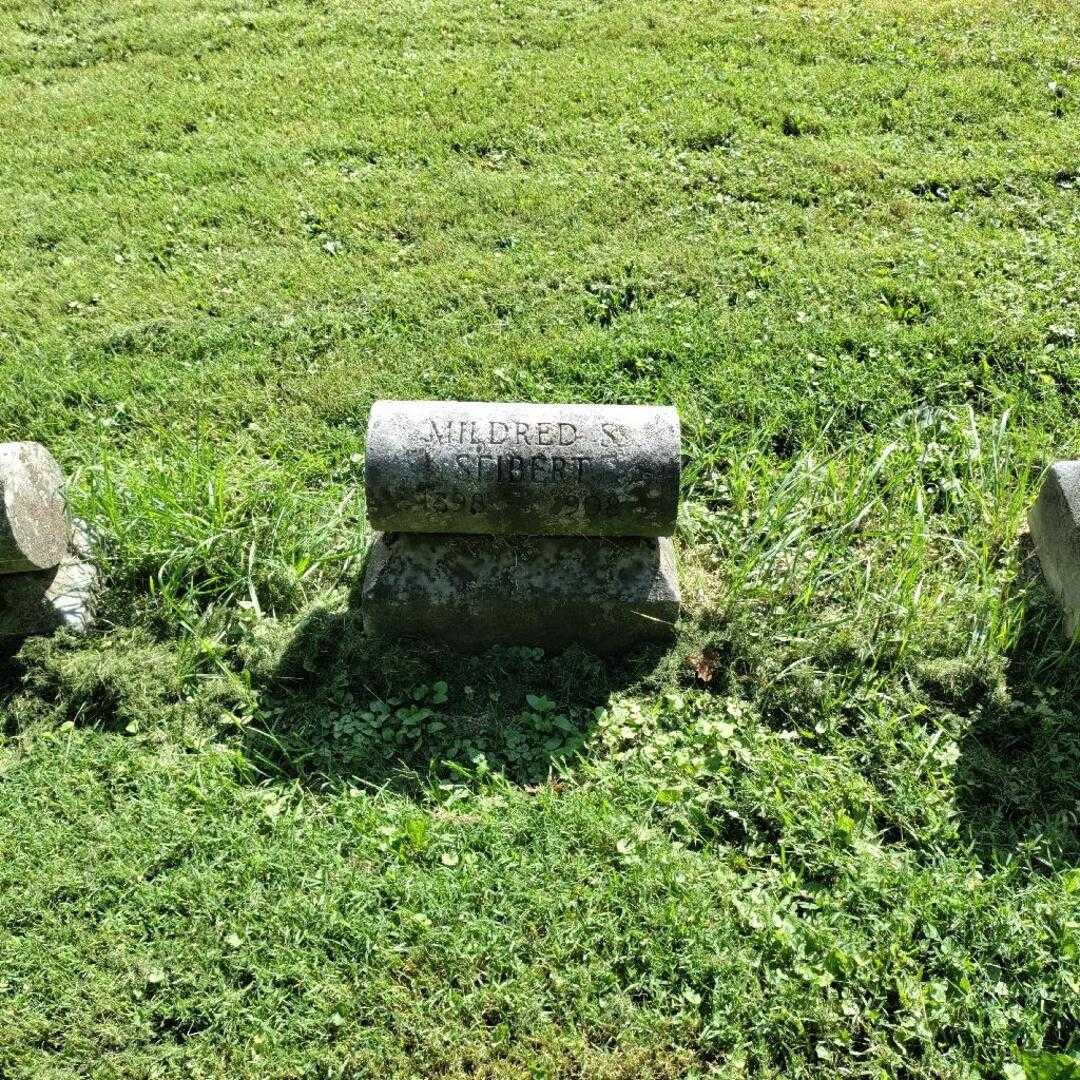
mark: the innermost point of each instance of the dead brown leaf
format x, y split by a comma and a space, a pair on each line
704, 665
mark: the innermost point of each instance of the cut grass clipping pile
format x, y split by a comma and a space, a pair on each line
835, 830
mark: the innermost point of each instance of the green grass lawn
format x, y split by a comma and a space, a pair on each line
835, 830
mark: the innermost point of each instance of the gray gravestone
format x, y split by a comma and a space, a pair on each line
534, 470
1055, 528
33, 517
46, 578
48, 600
470, 592
578, 502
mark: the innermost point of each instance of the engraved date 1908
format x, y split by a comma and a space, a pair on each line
457, 502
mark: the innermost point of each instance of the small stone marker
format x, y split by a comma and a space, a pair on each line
1055, 528
33, 519
48, 600
577, 503
46, 578
517, 469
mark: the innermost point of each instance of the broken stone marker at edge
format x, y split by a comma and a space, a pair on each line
46, 578
45, 601
522, 524
1055, 528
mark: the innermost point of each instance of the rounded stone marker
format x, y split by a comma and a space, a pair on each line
522, 469
33, 520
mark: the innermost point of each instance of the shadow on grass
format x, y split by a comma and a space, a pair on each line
343, 705
1018, 776
11, 671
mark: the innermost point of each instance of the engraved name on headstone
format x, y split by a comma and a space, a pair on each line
514, 468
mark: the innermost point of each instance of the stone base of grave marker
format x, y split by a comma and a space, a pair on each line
1055, 528
44, 601
469, 592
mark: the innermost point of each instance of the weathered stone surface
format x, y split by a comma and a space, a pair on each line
525, 469
470, 592
1055, 528
33, 519
47, 600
